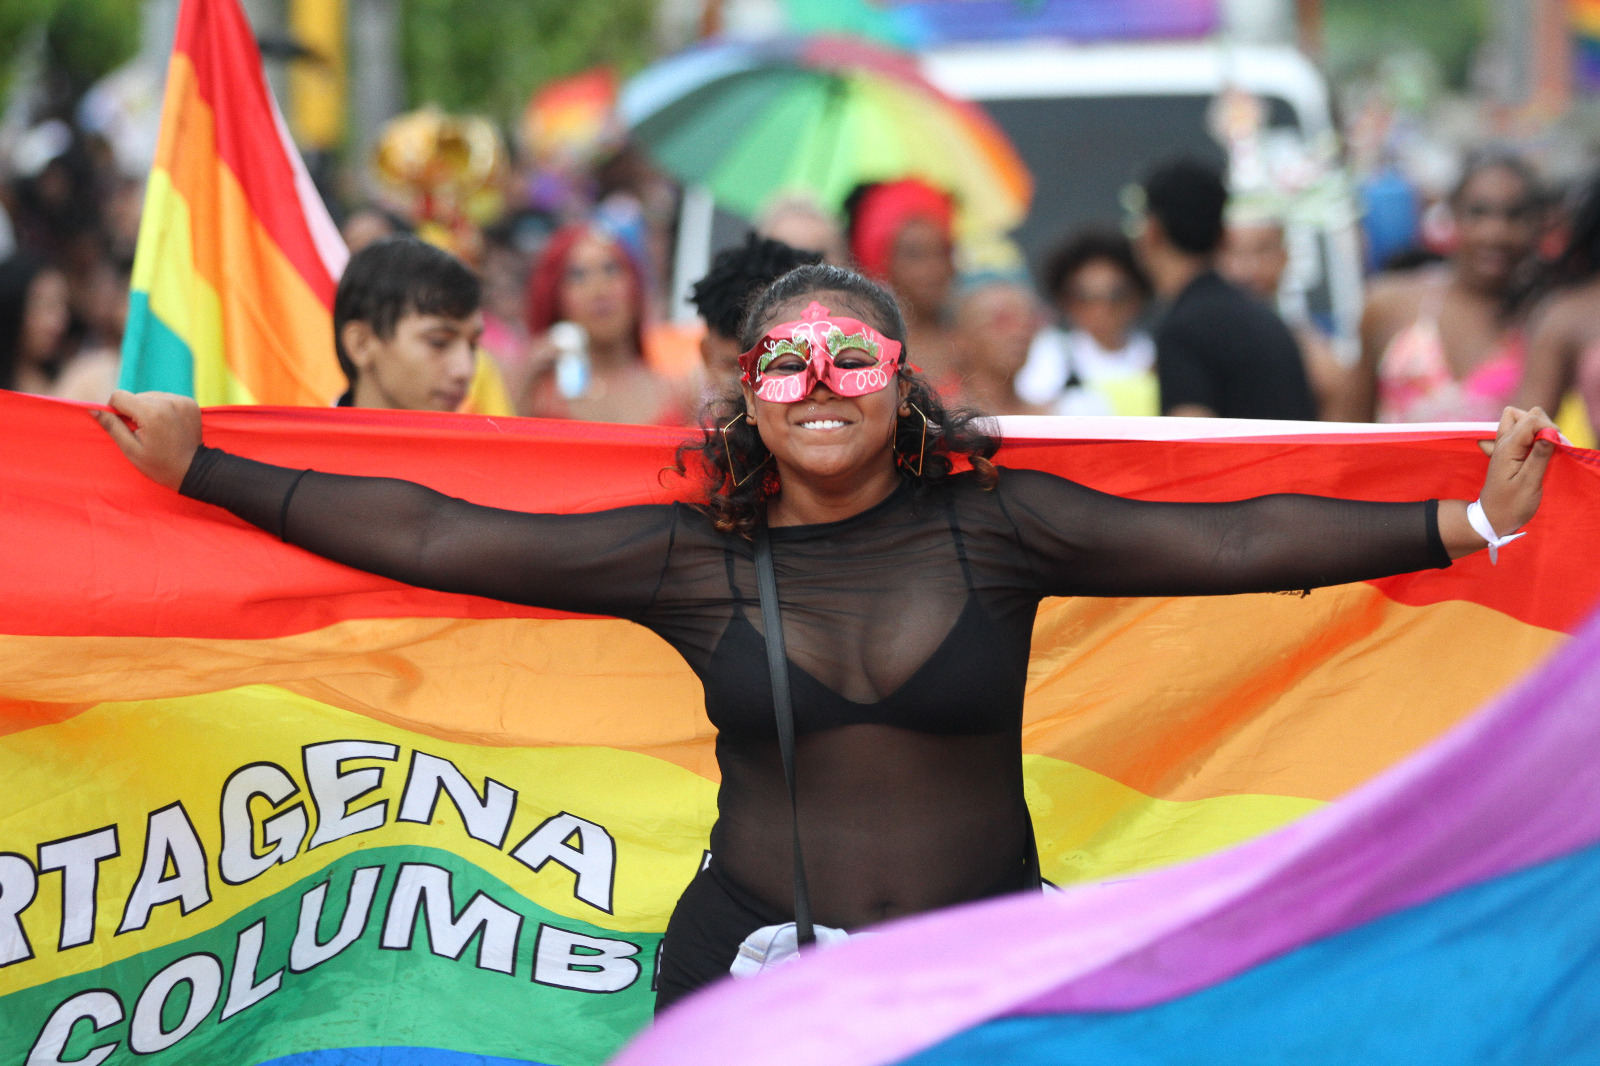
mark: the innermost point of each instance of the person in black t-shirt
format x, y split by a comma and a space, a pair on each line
1219, 352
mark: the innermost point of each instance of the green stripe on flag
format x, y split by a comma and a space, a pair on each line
153, 357
309, 968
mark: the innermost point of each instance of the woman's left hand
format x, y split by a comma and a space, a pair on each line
1518, 457
1517, 462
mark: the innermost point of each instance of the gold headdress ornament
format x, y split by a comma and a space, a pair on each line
446, 170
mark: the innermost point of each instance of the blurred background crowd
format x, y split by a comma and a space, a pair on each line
1338, 209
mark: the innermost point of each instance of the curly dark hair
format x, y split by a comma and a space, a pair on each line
731, 454
1091, 246
738, 275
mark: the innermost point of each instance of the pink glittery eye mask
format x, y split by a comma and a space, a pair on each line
795, 357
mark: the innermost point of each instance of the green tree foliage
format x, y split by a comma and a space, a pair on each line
17, 21
1361, 32
489, 55
84, 40
17, 16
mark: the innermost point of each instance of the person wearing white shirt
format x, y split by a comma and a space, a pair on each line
1102, 363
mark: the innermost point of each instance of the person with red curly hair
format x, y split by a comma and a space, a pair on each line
587, 279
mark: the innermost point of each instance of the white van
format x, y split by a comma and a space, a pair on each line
1089, 120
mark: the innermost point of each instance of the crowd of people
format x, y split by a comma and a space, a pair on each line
1174, 312
68, 225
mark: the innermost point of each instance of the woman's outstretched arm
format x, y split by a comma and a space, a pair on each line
1089, 543
607, 562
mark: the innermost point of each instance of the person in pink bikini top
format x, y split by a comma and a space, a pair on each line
1438, 344
1418, 383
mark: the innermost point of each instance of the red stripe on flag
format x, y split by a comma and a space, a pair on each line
109, 553
1554, 589
219, 43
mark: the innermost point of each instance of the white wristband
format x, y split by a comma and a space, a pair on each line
1480, 525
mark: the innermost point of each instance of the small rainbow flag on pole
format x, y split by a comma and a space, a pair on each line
237, 262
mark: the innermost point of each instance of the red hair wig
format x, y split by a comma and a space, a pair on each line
544, 283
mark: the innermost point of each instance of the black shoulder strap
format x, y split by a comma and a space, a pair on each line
783, 710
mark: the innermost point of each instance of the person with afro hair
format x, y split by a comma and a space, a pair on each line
736, 277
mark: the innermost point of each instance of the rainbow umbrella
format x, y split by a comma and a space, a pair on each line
751, 120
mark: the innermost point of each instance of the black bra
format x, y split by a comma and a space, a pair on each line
967, 686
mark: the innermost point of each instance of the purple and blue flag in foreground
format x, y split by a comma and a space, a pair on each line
1446, 912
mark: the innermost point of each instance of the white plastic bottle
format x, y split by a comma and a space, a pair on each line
572, 364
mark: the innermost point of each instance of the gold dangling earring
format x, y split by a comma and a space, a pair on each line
922, 453
729, 451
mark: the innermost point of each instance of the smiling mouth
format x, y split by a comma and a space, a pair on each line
823, 423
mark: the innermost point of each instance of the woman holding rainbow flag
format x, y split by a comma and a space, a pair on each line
840, 567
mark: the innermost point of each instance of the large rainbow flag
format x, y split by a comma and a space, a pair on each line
259, 807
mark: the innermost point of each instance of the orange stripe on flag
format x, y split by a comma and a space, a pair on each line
1182, 699
216, 42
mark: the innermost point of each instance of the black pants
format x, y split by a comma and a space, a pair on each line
711, 920
714, 915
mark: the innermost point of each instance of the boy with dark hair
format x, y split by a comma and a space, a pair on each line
724, 294
1219, 351
406, 323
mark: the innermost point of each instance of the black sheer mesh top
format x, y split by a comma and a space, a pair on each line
908, 629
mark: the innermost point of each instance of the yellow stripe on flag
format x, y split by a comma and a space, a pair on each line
159, 752
180, 297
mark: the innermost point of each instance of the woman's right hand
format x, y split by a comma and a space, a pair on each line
164, 437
